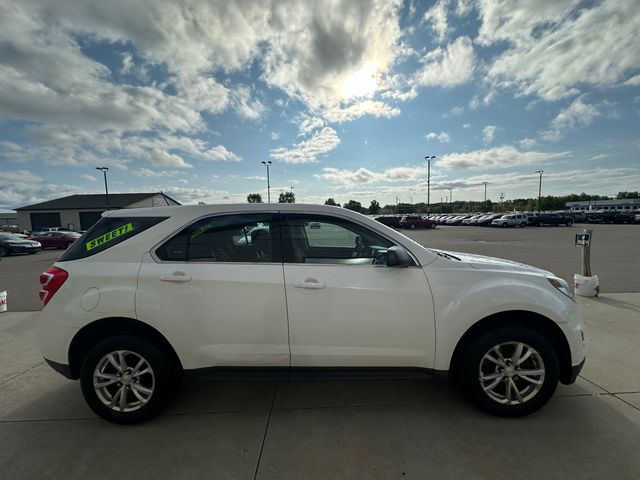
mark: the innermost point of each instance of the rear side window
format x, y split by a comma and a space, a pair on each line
243, 238
109, 231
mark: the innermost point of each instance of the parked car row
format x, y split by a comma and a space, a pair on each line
15, 243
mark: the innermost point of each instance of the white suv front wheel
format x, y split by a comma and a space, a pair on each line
510, 371
125, 379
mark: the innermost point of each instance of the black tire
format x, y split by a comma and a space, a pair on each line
3, 252
412, 226
569, 223
523, 224
468, 371
504, 225
163, 384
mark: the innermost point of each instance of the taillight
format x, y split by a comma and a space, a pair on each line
50, 281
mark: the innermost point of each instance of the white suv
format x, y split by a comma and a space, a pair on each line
291, 291
510, 220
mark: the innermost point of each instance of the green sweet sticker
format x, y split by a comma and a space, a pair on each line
109, 236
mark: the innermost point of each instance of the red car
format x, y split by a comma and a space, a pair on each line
59, 239
416, 221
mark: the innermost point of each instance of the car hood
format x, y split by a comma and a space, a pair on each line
21, 241
481, 262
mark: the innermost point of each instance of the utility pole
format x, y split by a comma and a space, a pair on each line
450, 200
268, 164
485, 195
540, 189
428, 160
104, 171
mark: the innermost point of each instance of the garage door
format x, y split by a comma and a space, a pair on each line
87, 219
45, 220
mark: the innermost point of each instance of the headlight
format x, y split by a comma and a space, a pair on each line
561, 285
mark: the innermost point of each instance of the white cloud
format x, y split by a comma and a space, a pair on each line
127, 63
466, 125
327, 55
275, 136
246, 106
488, 133
497, 157
528, 143
165, 159
359, 109
220, 153
437, 17
363, 176
90, 178
256, 177
307, 151
447, 68
442, 137
148, 173
633, 81
548, 42
309, 124
577, 114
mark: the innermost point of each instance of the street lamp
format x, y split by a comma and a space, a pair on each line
450, 199
539, 188
428, 160
104, 171
268, 164
485, 195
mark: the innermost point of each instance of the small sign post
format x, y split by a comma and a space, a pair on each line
584, 240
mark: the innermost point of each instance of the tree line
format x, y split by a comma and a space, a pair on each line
549, 202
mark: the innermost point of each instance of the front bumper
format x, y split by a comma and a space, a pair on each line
575, 371
61, 368
23, 249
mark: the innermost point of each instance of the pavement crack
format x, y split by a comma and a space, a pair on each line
612, 394
20, 373
266, 429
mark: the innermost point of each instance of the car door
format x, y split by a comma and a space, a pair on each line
216, 289
346, 307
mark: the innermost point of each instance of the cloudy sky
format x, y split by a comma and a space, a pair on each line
344, 97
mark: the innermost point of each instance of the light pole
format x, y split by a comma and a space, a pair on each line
428, 160
485, 195
539, 189
268, 164
104, 171
450, 199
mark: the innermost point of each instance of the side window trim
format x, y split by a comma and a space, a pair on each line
277, 253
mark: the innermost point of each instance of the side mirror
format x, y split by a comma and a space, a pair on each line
398, 257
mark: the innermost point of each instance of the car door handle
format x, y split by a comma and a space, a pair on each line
175, 277
308, 283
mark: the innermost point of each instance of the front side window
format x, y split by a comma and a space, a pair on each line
328, 240
244, 238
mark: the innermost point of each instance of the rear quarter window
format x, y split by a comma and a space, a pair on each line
106, 233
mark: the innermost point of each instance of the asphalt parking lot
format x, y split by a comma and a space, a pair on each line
614, 255
351, 429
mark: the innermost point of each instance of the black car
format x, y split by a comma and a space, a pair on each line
389, 220
10, 244
611, 217
551, 219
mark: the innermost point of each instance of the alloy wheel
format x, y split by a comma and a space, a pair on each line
124, 381
511, 373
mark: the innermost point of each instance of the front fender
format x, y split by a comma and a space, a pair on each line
464, 296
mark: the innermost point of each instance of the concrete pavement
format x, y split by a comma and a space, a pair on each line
366, 429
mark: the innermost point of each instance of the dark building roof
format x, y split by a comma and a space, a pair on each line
95, 201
